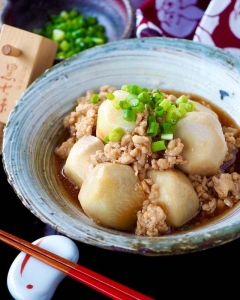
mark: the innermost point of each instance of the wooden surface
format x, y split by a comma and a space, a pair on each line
19, 71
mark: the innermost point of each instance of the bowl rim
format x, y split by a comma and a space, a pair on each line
181, 243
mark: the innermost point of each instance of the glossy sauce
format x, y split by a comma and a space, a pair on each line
71, 191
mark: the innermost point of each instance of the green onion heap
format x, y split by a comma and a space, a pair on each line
73, 32
163, 113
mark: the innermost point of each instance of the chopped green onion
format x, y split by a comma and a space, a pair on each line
94, 98
167, 136
172, 114
166, 131
158, 97
77, 32
163, 112
182, 99
64, 15
181, 111
116, 134
135, 89
143, 89
106, 139
110, 96
64, 45
115, 103
134, 102
151, 104
131, 96
139, 108
158, 146
152, 129
73, 13
129, 115
165, 104
144, 97
159, 111
125, 88
193, 105
187, 106
156, 91
166, 128
151, 118
124, 104
98, 41
58, 35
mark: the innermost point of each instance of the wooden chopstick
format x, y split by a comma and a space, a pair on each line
102, 284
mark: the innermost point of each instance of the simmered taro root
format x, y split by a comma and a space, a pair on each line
201, 108
204, 143
110, 117
77, 163
150, 162
176, 196
111, 195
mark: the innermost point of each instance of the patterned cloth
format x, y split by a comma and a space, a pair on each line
215, 22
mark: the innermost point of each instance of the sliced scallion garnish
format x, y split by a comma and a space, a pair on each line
158, 146
94, 98
129, 115
116, 134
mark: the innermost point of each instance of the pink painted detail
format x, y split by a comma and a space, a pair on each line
24, 262
29, 286
31, 279
26, 258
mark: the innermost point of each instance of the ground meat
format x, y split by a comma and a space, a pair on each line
232, 141
209, 206
65, 148
174, 148
141, 123
170, 97
87, 97
133, 150
227, 184
151, 220
172, 156
216, 191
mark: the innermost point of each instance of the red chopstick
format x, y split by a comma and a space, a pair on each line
102, 284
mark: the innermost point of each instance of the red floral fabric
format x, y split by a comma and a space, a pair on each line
212, 22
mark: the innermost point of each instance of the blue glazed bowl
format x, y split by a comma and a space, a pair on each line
35, 125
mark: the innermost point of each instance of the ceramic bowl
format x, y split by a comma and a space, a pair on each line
116, 16
35, 125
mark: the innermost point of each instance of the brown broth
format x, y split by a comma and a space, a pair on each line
71, 191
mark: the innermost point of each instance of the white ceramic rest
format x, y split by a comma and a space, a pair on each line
31, 279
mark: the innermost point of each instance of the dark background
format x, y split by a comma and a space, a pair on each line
210, 273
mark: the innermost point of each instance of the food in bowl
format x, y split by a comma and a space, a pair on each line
35, 126
117, 18
73, 32
144, 160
